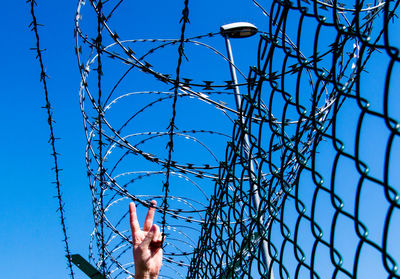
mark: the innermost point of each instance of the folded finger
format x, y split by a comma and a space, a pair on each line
150, 237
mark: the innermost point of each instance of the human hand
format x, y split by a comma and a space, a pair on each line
147, 244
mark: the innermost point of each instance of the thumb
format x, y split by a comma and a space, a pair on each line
150, 236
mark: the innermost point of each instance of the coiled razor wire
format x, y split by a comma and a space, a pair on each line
323, 132
129, 161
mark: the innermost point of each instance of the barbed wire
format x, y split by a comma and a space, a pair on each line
171, 127
52, 140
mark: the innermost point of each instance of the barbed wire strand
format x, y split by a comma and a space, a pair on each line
184, 20
50, 120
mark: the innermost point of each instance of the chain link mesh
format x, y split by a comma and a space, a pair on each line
322, 121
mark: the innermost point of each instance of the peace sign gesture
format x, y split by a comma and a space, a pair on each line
147, 244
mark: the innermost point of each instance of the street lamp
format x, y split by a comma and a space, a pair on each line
238, 30
244, 30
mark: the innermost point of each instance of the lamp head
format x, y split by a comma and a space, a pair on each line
238, 30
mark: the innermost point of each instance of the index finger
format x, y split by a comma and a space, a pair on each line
133, 220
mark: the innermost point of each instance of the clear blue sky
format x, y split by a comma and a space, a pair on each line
30, 233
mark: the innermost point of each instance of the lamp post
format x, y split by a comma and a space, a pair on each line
244, 30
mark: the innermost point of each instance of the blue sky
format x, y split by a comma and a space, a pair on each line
30, 233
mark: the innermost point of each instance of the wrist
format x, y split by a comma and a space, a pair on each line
145, 275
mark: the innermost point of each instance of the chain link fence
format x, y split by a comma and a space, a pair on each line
321, 115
